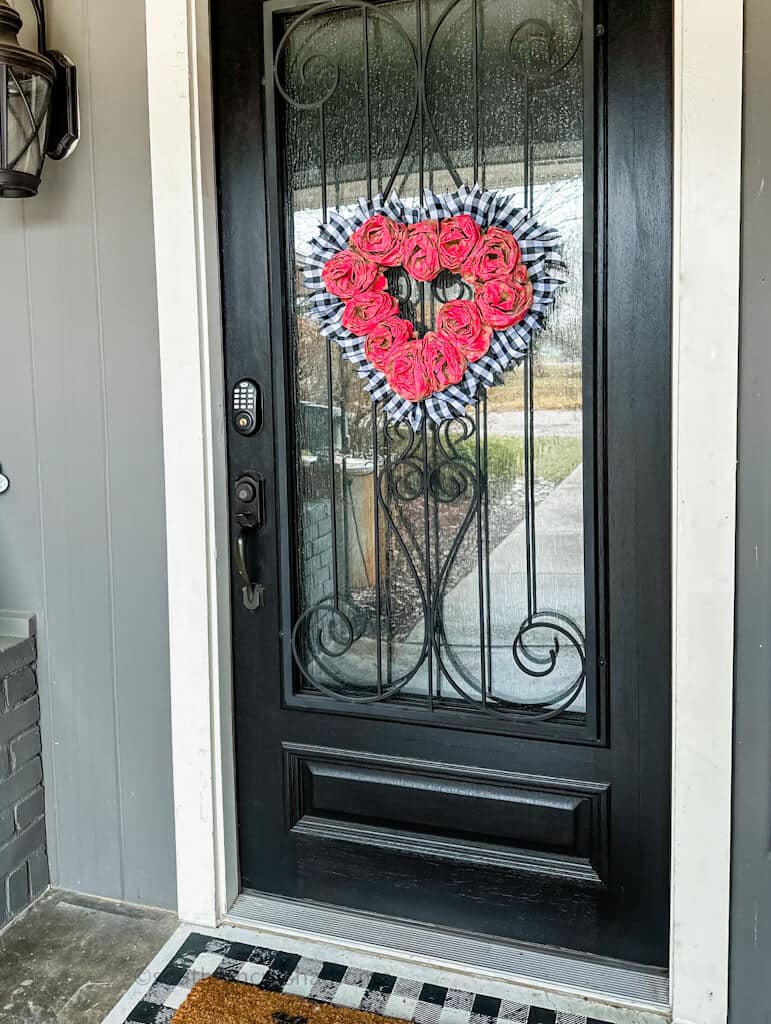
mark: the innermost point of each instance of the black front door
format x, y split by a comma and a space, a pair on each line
452, 691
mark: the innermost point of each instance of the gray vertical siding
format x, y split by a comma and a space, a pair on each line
81, 530
750, 979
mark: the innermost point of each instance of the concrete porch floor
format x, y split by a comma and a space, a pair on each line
68, 959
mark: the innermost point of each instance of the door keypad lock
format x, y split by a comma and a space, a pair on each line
247, 407
249, 514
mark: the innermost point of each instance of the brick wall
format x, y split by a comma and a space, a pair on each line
23, 860
317, 552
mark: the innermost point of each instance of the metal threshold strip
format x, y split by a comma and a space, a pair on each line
590, 978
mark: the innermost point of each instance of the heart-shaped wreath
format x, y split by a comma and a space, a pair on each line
495, 251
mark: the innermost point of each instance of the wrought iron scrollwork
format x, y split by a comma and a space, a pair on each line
433, 467
322, 60
448, 286
430, 487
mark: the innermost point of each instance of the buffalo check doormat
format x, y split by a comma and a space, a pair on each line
204, 956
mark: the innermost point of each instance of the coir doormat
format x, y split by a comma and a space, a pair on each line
246, 980
214, 1001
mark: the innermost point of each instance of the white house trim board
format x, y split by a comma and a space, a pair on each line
707, 192
186, 248
707, 87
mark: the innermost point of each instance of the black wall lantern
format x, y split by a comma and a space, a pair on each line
38, 105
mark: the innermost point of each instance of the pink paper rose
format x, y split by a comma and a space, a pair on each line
406, 372
379, 239
420, 250
460, 322
504, 303
444, 361
384, 339
495, 255
365, 310
520, 274
457, 238
347, 273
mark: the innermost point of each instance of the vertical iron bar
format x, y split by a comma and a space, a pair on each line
427, 559
345, 482
421, 89
531, 479
323, 161
330, 386
438, 562
480, 558
367, 130
531, 395
528, 417
388, 559
475, 89
422, 100
376, 490
333, 481
487, 549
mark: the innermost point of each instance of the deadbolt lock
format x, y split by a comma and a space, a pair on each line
249, 504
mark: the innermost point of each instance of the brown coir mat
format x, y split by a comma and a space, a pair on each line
215, 1001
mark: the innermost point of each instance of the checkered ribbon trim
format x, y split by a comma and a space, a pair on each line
541, 253
202, 956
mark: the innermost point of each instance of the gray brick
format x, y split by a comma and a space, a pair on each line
29, 808
21, 847
25, 747
19, 719
16, 656
20, 686
20, 783
5, 761
38, 872
6, 826
18, 889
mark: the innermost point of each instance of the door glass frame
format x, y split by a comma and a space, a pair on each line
590, 728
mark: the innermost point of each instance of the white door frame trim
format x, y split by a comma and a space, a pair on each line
707, 90
707, 234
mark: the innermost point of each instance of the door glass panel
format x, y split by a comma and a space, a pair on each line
440, 569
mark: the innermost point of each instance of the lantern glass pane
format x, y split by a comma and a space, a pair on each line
27, 118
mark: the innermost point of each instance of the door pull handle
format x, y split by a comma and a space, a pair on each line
249, 514
253, 593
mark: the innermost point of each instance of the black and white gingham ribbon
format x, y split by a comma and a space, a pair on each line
541, 253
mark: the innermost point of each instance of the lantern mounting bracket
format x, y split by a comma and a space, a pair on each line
64, 115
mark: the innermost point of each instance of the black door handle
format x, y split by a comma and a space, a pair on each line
249, 513
253, 593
